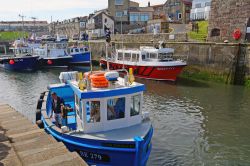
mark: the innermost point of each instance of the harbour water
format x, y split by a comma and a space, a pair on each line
195, 123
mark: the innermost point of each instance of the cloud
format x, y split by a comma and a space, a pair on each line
59, 9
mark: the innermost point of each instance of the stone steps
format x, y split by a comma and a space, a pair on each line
24, 144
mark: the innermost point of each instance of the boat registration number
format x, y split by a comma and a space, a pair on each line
94, 156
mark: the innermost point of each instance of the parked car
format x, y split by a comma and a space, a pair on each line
75, 37
61, 38
48, 38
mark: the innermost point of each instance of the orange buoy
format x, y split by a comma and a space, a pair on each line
98, 80
11, 62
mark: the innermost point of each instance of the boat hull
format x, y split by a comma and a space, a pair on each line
20, 64
81, 59
106, 152
55, 62
162, 73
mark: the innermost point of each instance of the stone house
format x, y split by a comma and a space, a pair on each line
178, 10
97, 22
227, 16
158, 11
200, 9
69, 27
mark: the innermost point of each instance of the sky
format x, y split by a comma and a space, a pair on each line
58, 9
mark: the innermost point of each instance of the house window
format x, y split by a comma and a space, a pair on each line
116, 108
118, 2
198, 5
179, 15
93, 111
134, 17
135, 105
208, 4
118, 14
144, 17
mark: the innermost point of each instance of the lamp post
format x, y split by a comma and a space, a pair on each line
22, 16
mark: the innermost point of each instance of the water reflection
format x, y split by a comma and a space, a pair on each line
195, 123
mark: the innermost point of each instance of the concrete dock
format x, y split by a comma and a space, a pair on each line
23, 143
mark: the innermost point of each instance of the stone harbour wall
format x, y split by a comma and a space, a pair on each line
138, 38
226, 16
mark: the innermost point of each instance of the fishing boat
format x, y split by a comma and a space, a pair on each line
21, 59
105, 123
147, 62
55, 54
80, 56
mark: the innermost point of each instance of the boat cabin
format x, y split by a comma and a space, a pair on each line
102, 109
21, 51
77, 50
145, 54
52, 49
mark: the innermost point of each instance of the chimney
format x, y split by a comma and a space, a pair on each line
148, 3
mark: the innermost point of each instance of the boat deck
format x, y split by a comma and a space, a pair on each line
123, 134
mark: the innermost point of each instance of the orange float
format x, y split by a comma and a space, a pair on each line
98, 80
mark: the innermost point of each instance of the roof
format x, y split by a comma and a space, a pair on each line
97, 13
141, 9
25, 22
155, 6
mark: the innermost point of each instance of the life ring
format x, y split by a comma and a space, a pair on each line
98, 80
237, 34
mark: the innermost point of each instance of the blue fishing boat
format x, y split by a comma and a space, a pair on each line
104, 120
80, 56
21, 59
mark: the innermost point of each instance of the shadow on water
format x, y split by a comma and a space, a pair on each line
192, 83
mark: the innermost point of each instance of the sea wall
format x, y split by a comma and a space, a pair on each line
149, 37
229, 61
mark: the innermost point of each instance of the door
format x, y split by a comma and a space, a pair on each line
248, 31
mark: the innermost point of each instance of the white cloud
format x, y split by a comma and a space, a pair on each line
43, 9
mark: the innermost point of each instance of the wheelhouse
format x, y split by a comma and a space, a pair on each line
102, 110
145, 54
77, 50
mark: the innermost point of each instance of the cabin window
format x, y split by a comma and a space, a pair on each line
77, 105
127, 56
72, 50
153, 55
134, 59
86, 49
81, 49
116, 108
165, 55
120, 56
77, 50
93, 111
137, 57
143, 56
135, 105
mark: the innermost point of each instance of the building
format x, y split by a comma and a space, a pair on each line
178, 10
97, 22
28, 26
200, 9
118, 9
225, 17
158, 11
69, 27
128, 15
157, 26
140, 15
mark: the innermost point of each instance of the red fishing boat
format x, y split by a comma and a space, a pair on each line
147, 62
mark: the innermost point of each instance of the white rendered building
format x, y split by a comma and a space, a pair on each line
200, 9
